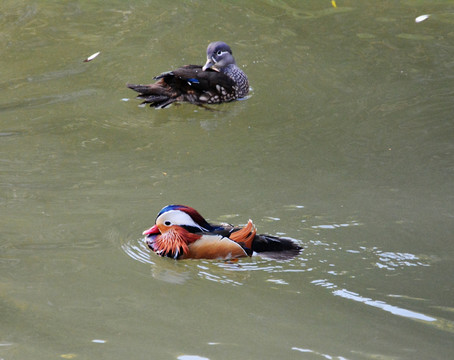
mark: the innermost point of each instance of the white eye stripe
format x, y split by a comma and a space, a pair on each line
177, 217
220, 53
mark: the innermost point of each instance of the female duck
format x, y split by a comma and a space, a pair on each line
219, 80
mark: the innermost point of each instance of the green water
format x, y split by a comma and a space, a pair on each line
346, 144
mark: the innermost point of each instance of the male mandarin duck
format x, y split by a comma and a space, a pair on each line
219, 80
180, 232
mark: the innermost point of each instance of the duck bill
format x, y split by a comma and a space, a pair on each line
154, 230
209, 64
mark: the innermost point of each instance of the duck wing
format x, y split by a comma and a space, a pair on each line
214, 247
188, 83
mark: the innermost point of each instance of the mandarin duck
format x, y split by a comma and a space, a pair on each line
180, 232
219, 80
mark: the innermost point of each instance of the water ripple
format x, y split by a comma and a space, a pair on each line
138, 251
391, 260
395, 310
318, 256
225, 272
325, 356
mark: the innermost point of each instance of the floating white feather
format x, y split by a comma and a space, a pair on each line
421, 18
91, 57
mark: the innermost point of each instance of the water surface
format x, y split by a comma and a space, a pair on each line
346, 145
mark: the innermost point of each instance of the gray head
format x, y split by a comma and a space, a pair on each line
219, 55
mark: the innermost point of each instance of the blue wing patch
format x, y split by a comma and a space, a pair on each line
193, 81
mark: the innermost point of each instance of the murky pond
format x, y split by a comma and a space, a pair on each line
346, 144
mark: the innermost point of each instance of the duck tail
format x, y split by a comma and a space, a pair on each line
141, 89
154, 94
275, 247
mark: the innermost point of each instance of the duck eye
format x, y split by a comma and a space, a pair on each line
219, 52
167, 223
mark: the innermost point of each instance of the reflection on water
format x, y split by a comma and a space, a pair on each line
395, 310
318, 354
391, 261
99, 341
316, 255
437, 322
138, 250
333, 226
224, 272
298, 349
191, 357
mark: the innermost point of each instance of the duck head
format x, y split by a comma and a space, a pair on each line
176, 227
219, 55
